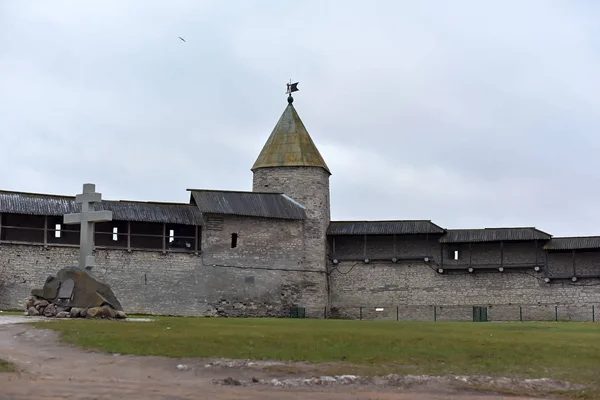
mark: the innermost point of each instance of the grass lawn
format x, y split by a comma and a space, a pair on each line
11, 312
565, 351
5, 366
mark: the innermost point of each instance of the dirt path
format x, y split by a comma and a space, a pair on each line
52, 371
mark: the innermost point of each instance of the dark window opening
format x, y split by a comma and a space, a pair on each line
180, 237
234, 238
24, 228
57, 232
453, 253
110, 234
146, 235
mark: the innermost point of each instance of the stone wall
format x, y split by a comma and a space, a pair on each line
495, 312
266, 274
411, 289
272, 253
261, 276
416, 288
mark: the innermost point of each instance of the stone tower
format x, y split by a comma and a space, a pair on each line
290, 163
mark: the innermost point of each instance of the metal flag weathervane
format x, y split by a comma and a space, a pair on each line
291, 87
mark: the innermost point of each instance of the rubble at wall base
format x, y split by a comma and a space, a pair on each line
37, 306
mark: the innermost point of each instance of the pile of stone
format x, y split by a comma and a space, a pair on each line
37, 306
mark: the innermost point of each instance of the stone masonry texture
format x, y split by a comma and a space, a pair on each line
272, 269
415, 290
259, 277
308, 186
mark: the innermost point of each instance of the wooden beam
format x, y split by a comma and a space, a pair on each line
573, 260
196, 240
164, 238
46, 231
470, 255
394, 246
442, 255
129, 236
333, 245
536, 252
365, 246
501, 253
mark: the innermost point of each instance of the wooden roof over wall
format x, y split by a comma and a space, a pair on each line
54, 205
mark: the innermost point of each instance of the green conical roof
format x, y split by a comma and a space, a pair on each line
289, 145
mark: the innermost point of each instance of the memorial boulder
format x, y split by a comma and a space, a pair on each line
72, 291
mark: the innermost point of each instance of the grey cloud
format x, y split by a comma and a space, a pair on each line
467, 113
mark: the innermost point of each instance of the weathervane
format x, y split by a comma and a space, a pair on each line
291, 87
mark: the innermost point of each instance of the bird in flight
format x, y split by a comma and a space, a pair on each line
182, 38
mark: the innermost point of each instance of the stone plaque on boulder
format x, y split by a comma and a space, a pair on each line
66, 289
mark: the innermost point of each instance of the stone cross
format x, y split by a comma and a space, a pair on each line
87, 217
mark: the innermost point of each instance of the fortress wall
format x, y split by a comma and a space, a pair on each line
259, 277
411, 289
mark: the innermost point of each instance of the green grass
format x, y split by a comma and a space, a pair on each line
11, 312
564, 351
5, 366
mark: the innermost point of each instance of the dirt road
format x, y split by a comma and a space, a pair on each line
52, 371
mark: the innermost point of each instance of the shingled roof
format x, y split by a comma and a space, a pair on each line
251, 204
400, 227
493, 235
573, 243
138, 211
290, 145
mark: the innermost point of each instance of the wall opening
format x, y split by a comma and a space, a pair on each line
180, 237
110, 234
146, 235
234, 238
25, 228
379, 309
456, 254
57, 230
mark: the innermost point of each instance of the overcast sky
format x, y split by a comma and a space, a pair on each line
468, 113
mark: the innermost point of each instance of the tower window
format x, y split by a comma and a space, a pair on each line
234, 238
57, 230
